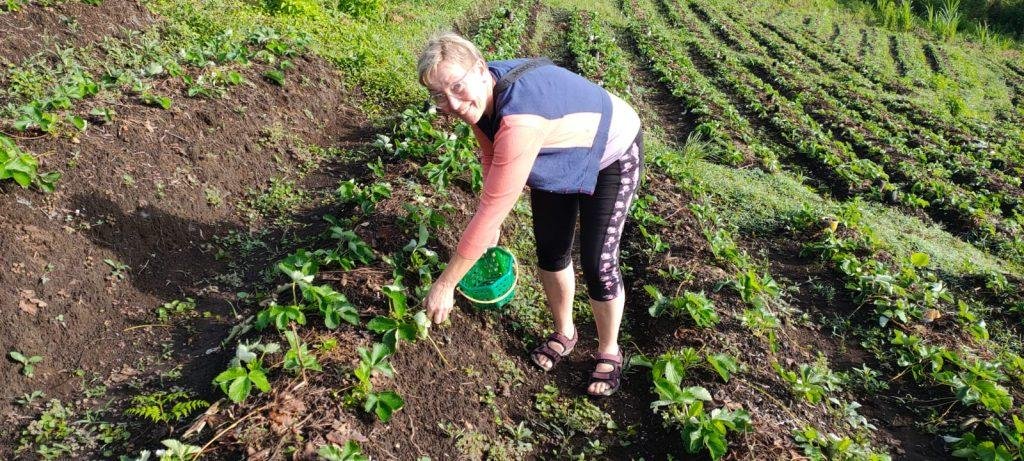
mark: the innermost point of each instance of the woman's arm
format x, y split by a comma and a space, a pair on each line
516, 146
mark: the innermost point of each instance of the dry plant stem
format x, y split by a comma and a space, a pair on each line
776, 401
226, 429
438, 349
147, 325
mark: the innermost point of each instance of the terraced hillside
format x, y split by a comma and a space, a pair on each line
222, 217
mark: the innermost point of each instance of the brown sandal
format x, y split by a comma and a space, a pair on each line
612, 378
554, 356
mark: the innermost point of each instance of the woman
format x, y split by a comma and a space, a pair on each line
579, 149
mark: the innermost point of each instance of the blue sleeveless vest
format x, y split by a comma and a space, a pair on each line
553, 92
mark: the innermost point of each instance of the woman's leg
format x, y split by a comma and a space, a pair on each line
603, 217
554, 226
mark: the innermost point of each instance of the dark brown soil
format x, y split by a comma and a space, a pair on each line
136, 192
35, 28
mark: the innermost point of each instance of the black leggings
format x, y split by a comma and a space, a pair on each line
601, 216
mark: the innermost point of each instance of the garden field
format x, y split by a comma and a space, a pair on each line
220, 218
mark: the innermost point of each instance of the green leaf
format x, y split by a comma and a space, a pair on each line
382, 324
260, 380
697, 393
724, 364
919, 259
239, 389
229, 375
78, 122
716, 444
275, 76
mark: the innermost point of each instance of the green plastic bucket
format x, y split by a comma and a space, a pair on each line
491, 282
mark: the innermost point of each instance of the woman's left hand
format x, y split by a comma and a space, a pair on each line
439, 301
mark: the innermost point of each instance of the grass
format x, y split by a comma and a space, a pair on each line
759, 203
378, 55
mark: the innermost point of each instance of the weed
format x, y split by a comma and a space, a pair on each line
213, 196
27, 399
28, 363
574, 414
175, 308
118, 270
164, 407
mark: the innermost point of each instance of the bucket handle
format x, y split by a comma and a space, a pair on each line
515, 266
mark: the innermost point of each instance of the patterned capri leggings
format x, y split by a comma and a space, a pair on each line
602, 217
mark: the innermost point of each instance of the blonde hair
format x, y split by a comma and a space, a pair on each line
450, 47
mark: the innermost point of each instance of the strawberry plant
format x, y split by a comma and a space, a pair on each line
723, 364
23, 168
350, 452
446, 155
35, 116
755, 290
683, 407
697, 305
351, 249
400, 325
375, 361
372, 361
175, 451
818, 446
280, 316
298, 358
246, 370
366, 197
173, 308
383, 404
597, 55
334, 306
812, 382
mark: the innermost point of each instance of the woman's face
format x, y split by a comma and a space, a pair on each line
461, 91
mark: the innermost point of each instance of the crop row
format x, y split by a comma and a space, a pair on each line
596, 54
908, 298
997, 137
967, 165
966, 208
731, 136
832, 160
762, 311
500, 35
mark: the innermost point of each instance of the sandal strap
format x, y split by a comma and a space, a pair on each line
610, 359
566, 343
609, 376
548, 352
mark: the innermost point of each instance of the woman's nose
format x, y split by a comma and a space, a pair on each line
453, 102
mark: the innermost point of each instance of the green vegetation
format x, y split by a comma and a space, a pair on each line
849, 190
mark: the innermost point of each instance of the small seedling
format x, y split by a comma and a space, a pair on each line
176, 307
118, 270
27, 363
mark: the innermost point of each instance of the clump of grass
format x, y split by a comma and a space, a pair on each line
944, 21
895, 15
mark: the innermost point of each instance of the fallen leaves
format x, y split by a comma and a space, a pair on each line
29, 303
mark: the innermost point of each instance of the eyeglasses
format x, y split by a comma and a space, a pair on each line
457, 89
